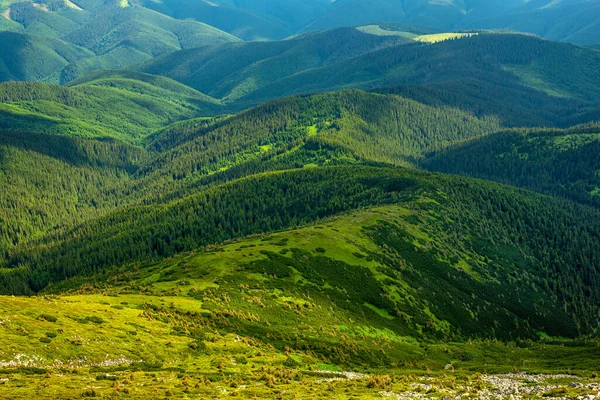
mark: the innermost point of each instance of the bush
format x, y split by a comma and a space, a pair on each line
90, 393
94, 320
291, 363
106, 377
48, 318
379, 381
197, 345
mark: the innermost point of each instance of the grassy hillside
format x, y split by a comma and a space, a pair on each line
209, 322
499, 262
557, 162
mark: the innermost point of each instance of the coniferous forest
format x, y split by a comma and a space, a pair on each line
298, 200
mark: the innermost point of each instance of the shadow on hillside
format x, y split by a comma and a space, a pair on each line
73, 151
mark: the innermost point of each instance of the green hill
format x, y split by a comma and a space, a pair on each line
106, 105
574, 21
201, 190
287, 312
458, 73
116, 36
420, 245
35, 58
121, 37
249, 20
232, 71
558, 162
54, 182
553, 69
338, 128
439, 15
570, 21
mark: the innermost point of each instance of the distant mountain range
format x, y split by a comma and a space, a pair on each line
58, 41
575, 21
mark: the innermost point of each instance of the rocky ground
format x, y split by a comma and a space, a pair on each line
506, 386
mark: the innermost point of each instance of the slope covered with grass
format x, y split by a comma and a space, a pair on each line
508, 242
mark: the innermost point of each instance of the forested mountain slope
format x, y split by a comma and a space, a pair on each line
338, 128
117, 34
106, 105
121, 37
249, 20
572, 21
34, 58
235, 70
559, 162
202, 182
524, 72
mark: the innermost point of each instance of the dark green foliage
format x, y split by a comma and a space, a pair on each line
93, 319
25, 57
48, 318
104, 37
252, 205
558, 162
524, 70
234, 70
72, 179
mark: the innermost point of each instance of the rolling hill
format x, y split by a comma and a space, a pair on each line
458, 73
249, 20
570, 21
128, 106
279, 200
117, 36
319, 130
34, 58
574, 21
234, 70
198, 189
